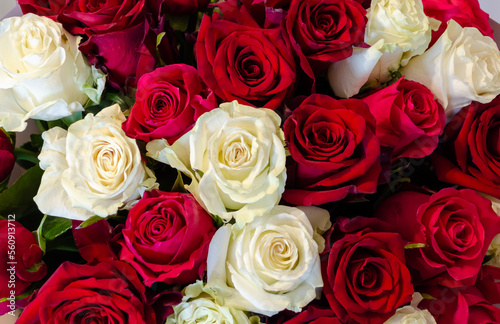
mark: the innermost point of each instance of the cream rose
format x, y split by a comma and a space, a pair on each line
270, 264
401, 24
235, 157
93, 168
461, 67
412, 314
198, 306
43, 75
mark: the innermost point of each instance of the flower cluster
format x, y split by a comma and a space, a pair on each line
247, 161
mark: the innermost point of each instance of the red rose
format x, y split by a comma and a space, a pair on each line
168, 102
465, 305
21, 258
108, 292
251, 65
46, 8
166, 238
456, 226
467, 13
7, 158
115, 37
324, 31
471, 156
314, 315
334, 149
408, 118
365, 276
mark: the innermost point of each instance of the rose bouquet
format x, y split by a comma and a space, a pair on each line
286, 161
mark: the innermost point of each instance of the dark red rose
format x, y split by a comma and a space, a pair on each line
166, 238
365, 276
467, 13
471, 155
22, 262
456, 227
251, 13
115, 35
7, 158
312, 314
108, 292
168, 102
465, 305
251, 65
324, 31
408, 119
48, 8
334, 149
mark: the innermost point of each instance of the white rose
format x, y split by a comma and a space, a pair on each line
412, 314
235, 157
93, 168
270, 264
461, 67
402, 24
43, 75
198, 306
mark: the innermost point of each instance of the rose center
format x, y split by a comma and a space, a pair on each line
107, 159
279, 252
237, 153
92, 5
249, 68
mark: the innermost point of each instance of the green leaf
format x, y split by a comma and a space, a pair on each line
26, 155
179, 23
72, 118
55, 226
90, 221
18, 198
415, 246
179, 184
427, 296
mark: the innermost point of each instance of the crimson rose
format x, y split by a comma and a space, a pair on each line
324, 31
334, 149
168, 102
467, 13
408, 118
456, 227
115, 37
108, 292
365, 276
471, 155
19, 246
166, 238
7, 158
48, 8
248, 64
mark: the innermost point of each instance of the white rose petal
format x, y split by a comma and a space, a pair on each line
198, 306
402, 24
43, 75
412, 314
93, 168
461, 67
235, 157
270, 264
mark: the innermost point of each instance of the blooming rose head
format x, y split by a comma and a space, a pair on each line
456, 227
158, 238
109, 25
461, 67
467, 13
324, 31
43, 75
248, 64
235, 157
7, 158
28, 267
408, 118
199, 306
168, 102
108, 292
48, 8
270, 264
364, 271
334, 149
93, 168
470, 155
401, 24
